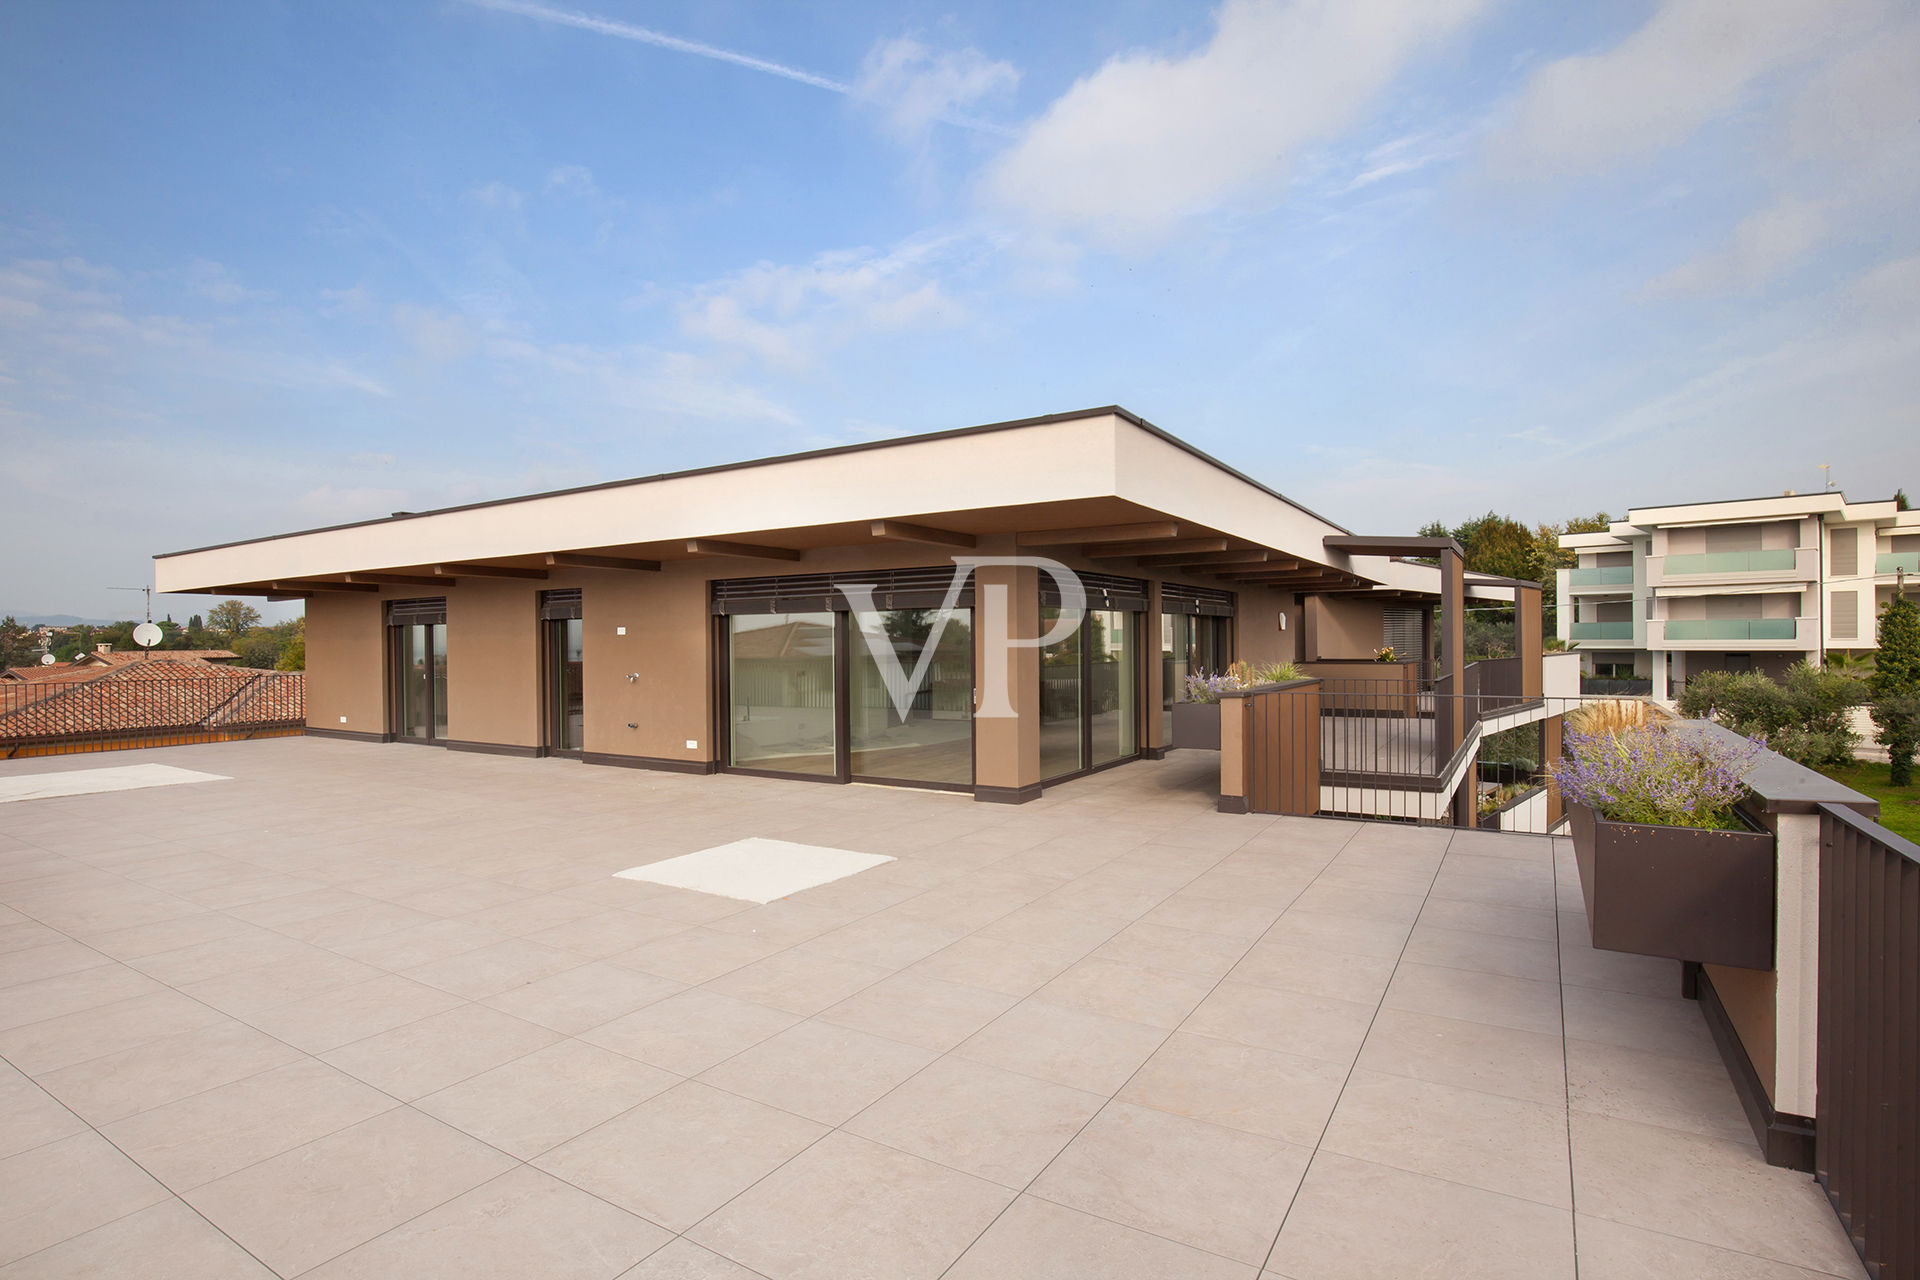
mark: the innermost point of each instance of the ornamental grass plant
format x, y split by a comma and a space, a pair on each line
1655, 775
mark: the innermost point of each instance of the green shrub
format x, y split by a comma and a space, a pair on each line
1895, 684
1803, 718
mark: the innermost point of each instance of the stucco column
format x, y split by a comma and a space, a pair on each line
1657, 668
1006, 749
1155, 741
1796, 962
1528, 640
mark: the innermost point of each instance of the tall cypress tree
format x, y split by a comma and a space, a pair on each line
1896, 686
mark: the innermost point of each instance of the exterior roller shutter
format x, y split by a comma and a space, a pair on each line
416, 613
1402, 632
1104, 591
820, 592
560, 604
1206, 602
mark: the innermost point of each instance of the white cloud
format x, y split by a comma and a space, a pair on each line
1761, 246
915, 88
217, 283
496, 195
1692, 62
438, 337
1146, 141
787, 314
573, 180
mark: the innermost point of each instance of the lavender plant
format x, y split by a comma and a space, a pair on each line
1205, 687
1654, 776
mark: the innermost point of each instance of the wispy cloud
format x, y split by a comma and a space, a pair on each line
953, 79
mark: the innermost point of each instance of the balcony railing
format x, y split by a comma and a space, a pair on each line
153, 703
1732, 628
1895, 561
1612, 575
1731, 562
1619, 630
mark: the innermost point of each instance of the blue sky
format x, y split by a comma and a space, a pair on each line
267, 265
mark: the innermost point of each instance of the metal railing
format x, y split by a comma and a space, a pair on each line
1731, 562
149, 704
1867, 1117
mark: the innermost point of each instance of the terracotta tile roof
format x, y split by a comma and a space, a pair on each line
119, 658
45, 671
153, 696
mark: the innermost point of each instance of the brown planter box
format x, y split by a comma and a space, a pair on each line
1196, 725
1704, 896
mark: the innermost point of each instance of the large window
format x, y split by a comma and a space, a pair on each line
563, 642
1189, 645
1060, 700
781, 685
1090, 681
906, 731
417, 669
1113, 695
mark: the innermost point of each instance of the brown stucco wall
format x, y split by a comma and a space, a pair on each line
1006, 751
346, 663
493, 662
668, 645
1344, 628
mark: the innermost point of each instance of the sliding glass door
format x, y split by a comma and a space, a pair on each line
881, 695
1062, 750
1089, 692
566, 691
420, 681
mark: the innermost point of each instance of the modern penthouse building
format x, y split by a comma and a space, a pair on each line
1748, 585
697, 620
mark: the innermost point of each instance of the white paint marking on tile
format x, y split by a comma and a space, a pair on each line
755, 870
86, 782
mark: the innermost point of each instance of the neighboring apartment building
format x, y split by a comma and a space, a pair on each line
695, 621
1754, 584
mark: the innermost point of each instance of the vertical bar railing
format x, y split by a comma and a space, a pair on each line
148, 704
1867, 1119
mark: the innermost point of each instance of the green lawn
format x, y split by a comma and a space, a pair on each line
1899, 806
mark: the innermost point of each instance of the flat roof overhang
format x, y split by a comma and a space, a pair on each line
1102, 484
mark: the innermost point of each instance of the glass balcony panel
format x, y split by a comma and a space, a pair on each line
1621, 630
1732, 562
1894, 561
1732, 629
1613, 575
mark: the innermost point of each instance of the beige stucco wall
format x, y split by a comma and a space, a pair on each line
1339, 628
493, 662
346, 663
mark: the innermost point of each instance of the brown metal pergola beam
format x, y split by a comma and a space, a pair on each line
400, 580
1232, 555
1099, 533
1134, 550
749, 550
323, 586
901, 531
574, 560
471, 570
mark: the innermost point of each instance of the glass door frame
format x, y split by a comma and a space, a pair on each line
552, 656
845, 636
1138, 625
396, 684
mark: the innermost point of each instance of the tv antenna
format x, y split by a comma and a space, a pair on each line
1826, 473
146, 591
146, 635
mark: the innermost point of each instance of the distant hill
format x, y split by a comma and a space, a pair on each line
58, 620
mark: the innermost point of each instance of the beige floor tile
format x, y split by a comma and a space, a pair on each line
818, 1070
1038, 1240
167, 935
1523, 1004
1486, 952
1222, 1190
1521, 885
606, 933
442, 1049
168, 1240
1582, 966
1158, 946
1353, 1219
1341, 934
212, 1134
848, 1208
800, 980
1204, 914
249, 991
1278, 1095
1316, 971
1069, 1046
888, 941
1481, 917
697, 955
490, 970
1615, 1251
677, 1157
422, 944
1664, 1025
1679, 1093
1508, 1145
691, 1031
1470, 1055
535, 1103
247, 947
61, 994
1707, 1189
685, 1260
315, 1202
981, 1120
149, 1075
41, 1047
919, 1010
57, 956
1321, 898
523, 1224
998, 964
346, 1014
1289, 1021
61, 1189
579, 999
1157, 997
33, 1117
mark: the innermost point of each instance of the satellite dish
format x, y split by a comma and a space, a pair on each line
146, 635
47, 659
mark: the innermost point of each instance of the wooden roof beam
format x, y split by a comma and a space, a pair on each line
901, 531
1134, 550
280, 587
575, 560
751, 551
1100, 533
400, 580
1233, 555
468, 569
